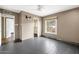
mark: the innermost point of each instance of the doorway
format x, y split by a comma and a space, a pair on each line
8, 28
10, 32
37, 27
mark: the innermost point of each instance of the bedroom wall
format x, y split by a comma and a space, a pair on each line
67, 26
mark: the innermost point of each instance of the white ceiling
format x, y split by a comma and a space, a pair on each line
46, 9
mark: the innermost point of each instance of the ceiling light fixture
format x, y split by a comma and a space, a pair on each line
39, 7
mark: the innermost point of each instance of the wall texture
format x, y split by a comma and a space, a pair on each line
16, 26
67, 26
26, 28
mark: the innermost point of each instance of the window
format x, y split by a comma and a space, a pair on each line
51, 26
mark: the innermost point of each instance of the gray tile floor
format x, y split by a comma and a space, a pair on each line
39, 46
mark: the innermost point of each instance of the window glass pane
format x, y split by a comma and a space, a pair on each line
51, 26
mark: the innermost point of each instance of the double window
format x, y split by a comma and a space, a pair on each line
51, 25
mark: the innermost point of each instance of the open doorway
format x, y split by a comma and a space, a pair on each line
8, 28
37, 27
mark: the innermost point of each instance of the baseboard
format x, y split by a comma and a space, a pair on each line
17, 40
72, 43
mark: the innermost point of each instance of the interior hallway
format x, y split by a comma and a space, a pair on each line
40, 45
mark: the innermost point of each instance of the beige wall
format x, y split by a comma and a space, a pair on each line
67, 26
16, 26
26, 28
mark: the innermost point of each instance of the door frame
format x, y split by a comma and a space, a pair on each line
8, 16
38, 27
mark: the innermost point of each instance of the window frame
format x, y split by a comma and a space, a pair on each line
50, 19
